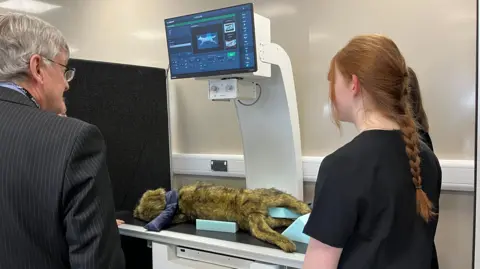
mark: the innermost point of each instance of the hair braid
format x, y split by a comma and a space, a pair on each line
412, 145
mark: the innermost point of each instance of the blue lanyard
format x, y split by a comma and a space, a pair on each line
19, 89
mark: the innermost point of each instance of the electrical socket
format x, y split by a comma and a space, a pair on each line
219, 165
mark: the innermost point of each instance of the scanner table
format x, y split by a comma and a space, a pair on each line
183, 246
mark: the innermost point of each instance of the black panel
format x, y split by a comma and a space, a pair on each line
129, 105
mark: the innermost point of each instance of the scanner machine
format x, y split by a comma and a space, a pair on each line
231, 48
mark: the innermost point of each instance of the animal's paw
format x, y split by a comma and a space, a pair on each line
304, 209
288, 246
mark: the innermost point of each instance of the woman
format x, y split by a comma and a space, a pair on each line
417, 107
377, 206
423, 129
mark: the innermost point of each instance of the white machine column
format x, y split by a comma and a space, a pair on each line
270, 128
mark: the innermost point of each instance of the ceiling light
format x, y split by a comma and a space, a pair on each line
28, 6
149, 35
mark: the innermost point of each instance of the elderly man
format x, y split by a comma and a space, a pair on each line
56, 201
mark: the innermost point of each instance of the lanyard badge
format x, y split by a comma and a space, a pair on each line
27, 94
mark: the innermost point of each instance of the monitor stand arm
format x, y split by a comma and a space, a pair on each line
270, 129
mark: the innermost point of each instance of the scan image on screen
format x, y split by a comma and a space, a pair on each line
215, 42
207, 41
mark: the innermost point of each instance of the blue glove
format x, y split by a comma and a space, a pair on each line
165, 218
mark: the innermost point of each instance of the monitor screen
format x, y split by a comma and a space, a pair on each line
216, 42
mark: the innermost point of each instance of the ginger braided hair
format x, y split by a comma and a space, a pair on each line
383, 76
412, 142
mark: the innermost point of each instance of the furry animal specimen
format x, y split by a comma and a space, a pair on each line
248, 208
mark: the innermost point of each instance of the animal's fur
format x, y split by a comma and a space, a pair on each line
248, 208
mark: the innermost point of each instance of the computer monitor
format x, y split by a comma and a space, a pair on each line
212, 43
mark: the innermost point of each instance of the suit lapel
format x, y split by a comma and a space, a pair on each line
9, 95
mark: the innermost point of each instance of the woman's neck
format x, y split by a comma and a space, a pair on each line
374, 121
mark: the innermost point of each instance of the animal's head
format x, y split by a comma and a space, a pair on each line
151, 204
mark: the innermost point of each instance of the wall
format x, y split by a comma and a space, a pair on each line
436, 37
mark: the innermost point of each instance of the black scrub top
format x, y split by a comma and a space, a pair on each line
365, 203
426, 138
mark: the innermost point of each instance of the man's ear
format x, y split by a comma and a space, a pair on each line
34, 68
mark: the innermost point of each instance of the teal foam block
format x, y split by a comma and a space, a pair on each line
282, 213
294, 232
216, 226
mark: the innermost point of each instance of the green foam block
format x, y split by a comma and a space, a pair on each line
282, 213
294, 232
216, 226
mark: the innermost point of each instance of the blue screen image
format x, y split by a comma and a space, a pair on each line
207, 41
215, 42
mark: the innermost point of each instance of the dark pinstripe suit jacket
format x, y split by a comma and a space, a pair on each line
56, 202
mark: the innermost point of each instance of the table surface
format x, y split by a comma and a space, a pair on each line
187, 228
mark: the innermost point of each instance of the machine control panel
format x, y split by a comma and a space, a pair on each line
227, 89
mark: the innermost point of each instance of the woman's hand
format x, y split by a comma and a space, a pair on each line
120, 222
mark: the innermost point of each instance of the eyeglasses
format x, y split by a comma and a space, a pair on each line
69, 72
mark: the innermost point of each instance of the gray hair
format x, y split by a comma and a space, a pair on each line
21, 37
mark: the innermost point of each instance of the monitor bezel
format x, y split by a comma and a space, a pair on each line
225, 72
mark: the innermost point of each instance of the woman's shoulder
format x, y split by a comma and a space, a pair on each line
425, 137
429, 161
367, 146
351, 159
427, 154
